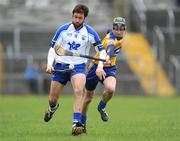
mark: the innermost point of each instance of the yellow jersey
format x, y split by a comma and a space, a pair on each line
110, 39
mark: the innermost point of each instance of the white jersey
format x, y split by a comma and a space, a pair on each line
76, 41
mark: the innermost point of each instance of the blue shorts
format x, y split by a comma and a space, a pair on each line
92, 79
64, 77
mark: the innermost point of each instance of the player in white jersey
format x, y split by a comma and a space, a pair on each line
75, 36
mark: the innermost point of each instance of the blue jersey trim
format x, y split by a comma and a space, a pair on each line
110, 50
112, 35
92, 32
58, 32
97, 43
62, 28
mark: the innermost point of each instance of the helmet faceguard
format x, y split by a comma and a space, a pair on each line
119, 23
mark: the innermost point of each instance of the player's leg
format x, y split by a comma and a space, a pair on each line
85, 104
86, 101
55, 88
109, 89
78, 82
91, 83
59, 80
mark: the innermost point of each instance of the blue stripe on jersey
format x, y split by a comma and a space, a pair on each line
92, 32
97, 43
116, 51
111, 50
100, 47
58, 32
63, 27
52, 44
112, 35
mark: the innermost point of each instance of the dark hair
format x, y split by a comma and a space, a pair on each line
80, 8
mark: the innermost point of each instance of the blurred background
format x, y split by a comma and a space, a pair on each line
149, 63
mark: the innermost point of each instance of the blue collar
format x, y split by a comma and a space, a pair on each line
112, 35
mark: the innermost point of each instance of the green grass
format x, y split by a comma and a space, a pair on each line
131, 119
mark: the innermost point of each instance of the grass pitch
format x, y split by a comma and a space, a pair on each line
131, 119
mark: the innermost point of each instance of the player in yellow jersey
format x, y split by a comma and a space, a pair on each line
112, 43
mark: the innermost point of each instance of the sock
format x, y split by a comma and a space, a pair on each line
52, 106
83, 119
102, 105
76, 117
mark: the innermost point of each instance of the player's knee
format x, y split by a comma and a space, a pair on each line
89, 99
110, 91
89, 96
78, 91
